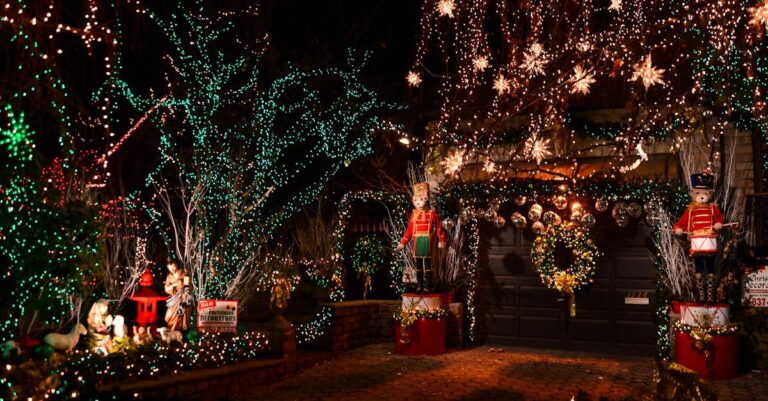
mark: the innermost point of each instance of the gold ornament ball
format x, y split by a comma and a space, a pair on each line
560, 202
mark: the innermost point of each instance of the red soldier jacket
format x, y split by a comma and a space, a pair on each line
700, 218
423, 223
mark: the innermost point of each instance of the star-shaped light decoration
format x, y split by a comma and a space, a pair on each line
489, 166
445, 8
581, 80
760, 14
537, 148
615, 5
643, 156
453, 163
413, 78
534, 59
479, 64
646, 72
501, 85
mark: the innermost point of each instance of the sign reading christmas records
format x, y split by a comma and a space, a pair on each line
756, 287
215, 315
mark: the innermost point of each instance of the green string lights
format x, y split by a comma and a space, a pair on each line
235, 182
399, 206
17, 136
51, 248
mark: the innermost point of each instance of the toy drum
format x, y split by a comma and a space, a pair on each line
703, 245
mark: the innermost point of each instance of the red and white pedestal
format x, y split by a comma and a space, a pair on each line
722, 361
424, 337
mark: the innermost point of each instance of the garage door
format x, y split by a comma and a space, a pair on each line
514, 308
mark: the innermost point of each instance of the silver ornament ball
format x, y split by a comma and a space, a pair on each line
588, 220
602, 204
549, 218
635, 210
517, 220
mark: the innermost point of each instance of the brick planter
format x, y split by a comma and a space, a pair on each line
358, 323
355, 323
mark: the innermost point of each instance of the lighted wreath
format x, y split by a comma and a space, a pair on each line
579, 273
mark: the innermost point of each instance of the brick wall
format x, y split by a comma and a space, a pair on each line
355, 323
358, 323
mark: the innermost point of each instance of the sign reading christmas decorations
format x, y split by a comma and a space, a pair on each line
756, 287
215, 315
573, 277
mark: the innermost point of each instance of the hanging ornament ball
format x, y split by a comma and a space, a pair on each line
466, 214
448, 224
622, 221
588, 220
490, 215
576, 216
635, 210
520, 200
558, 220
601, 204
576, 206
651, 207
561, 202
549, 218
534, 214
499, 221
619, 210
517, 220
538, 227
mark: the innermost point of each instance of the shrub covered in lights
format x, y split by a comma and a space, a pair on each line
84, 373
50, 244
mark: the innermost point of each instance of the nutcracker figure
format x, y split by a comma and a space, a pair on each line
423, 227
701, 221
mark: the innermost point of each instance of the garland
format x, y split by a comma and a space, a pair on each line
577, 275
408, 316
724, 330
317, 272
400, 204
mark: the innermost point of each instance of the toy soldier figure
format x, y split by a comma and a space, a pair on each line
423, 229
701, 221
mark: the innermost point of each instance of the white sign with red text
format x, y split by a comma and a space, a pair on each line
214, 315
756, 287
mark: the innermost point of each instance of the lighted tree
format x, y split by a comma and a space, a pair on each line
240, 157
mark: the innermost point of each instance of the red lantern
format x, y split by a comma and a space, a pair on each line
146, 299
